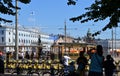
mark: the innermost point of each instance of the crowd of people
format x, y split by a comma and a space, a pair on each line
98, 63
29, 55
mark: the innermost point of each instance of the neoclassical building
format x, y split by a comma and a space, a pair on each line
27, 38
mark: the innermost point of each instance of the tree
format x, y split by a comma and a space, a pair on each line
100, 10
7, 8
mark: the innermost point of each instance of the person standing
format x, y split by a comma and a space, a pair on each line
52, 56
81, 62
96, 64
32, 55
65, 62
1, 65
27, 56
66, 59
109, 66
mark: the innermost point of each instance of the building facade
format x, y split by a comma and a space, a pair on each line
110, 46
26, 37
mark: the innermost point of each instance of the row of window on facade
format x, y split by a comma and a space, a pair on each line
20, 40
27, 35
25, 41
20, 34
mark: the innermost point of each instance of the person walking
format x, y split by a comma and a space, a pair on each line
81, 62
96, 64
109, 66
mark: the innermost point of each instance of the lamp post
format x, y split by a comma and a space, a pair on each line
115, 39
16, 29
65, 36
112, 42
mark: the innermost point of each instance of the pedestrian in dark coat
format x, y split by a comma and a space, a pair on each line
1, 65
109, 66
81, 62
27, 56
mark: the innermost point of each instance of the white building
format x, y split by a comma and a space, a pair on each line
26, 37
109, 46
47, 41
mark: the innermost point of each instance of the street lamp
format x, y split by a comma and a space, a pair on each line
112, 42
16, 29
65, 28
65, 35
115, 39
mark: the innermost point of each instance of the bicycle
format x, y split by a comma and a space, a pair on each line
64, 71
31, 72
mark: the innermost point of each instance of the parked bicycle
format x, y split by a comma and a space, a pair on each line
64, 71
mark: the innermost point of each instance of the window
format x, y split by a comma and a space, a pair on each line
9, 33
9, 40
2, 39
2, 32
19, 34
29, 41
24, 40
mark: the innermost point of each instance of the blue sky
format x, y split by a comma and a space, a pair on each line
50, 15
